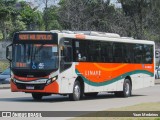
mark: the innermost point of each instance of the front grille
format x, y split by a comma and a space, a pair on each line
35, 73
36, 86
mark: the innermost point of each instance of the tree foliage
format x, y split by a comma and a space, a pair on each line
7, 12
51, 18
31, 17
97, 15
153, 21
16, 16
137, 10
135, 18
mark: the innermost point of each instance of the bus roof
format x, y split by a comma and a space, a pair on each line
93, 35
34, 32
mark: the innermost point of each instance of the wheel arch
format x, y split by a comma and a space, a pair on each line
78, 89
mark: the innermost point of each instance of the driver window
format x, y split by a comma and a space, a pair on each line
66, 56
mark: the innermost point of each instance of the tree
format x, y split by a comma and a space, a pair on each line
153, 23
31, 17
45, 14
50, 21
95, 15
7, 11
53, 18
137, 10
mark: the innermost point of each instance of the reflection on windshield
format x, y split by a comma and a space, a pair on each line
35, 56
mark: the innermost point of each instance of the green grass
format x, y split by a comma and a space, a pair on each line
3, 65
139, 107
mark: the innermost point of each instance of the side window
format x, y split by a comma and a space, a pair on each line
118, 53
125, 54
138, 51
94, 51
148, 54
106, 52
80, 50
65, 54
128, 53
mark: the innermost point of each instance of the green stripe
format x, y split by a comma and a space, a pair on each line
114, 79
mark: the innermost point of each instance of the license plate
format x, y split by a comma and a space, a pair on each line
30, 87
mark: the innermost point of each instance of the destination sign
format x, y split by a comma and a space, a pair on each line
35, 36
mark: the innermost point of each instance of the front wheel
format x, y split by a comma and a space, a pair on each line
37, 96
77, 92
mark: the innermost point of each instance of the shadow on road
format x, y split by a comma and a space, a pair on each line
58, 98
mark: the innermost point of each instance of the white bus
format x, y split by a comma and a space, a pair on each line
79, 63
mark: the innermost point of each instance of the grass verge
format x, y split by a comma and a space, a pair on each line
3, 65
139, 107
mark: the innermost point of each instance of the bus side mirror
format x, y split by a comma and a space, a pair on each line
8, 52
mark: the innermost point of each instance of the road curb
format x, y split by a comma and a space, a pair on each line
157, 81
5, 86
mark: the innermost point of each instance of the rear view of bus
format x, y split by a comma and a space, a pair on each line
34, 58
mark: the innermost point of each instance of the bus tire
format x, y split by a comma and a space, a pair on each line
37, 96
94, 94
127, 88
77, 92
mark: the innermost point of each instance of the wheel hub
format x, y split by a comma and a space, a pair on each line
77, 91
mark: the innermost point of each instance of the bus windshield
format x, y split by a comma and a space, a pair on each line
35, 56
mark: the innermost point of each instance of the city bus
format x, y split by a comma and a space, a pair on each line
79, 63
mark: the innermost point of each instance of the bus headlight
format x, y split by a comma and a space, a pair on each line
51, 80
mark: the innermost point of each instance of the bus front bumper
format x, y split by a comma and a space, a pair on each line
31, 88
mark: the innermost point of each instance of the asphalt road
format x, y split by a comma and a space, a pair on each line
10, 101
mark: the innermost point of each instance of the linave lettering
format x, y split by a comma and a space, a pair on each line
92, 73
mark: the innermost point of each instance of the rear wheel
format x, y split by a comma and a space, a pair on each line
37, 96
77, 92
127, 89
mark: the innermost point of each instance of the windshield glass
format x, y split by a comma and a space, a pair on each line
35, 56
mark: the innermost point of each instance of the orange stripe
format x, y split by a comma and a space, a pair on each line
109, 69
100, 72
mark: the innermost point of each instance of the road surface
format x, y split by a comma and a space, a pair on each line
17, 101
